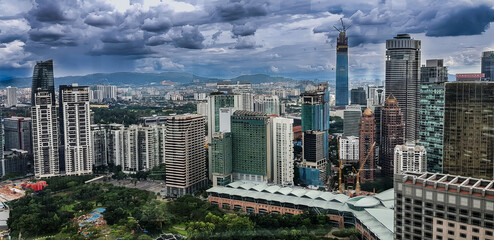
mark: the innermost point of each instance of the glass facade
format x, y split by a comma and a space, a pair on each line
469, 129
488, 65
249, 141
342, 70
221, 101
221, 148
431, 124
43, 79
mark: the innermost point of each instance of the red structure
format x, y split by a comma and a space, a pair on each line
366, 139
38, 186
393, 133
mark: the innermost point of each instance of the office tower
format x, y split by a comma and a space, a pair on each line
349, 149
269, 104
315, 109
313, 168
367, 139
11, 96
282, 133
410, 158
393, 128
43, 80
185, 155
99, 138
45, 135
487, 66
378, 119
18, 133
221, 149
75, 117
342, 68
2, 140
441, 206
243, 89
433, 77
375, 96
402, 79
251, 144
469, 129
202, 108
358, 96
14, 162
351, 119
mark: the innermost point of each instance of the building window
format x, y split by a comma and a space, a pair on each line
463, 227
476, 203
488, 233
428, 195
464, 201
452, 199
418, 192
451, 225
440, 197
451, 232
439, 230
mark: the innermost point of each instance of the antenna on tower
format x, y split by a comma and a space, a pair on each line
343, 27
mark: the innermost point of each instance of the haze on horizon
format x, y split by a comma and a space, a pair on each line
229, 38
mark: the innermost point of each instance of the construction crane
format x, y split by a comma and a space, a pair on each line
343, 27
362, 164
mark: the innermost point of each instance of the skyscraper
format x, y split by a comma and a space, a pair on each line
375, 96
43, 79
282, 150
269, 104
75, 116
342, 67
45, 135
315, 109
487, 66
393, 128
367, 138
185, 154
351, 119
221, 149
469, 129
402, 79
99, 138
410, 158
251, 144
349, 149
11, 96
358, 96
18, 133
433, 77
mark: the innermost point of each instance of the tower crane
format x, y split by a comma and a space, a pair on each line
362, 164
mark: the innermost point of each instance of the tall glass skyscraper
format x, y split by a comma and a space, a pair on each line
342, 69
433, 77
488, 65
402, 79
43, 79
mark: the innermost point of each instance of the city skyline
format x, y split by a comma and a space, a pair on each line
244, 37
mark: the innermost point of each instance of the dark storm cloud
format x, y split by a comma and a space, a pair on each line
247, 42
244, 30
188, 37
160, 24
122, 48
235, 10
462, 21
53, 11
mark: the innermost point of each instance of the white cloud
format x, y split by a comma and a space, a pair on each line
274, 69
157, 65
12, 55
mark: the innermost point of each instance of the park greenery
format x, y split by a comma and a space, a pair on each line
137, 214
128, 115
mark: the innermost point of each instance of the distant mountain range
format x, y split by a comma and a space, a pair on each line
142, 79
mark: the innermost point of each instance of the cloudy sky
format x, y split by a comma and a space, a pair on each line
292, 38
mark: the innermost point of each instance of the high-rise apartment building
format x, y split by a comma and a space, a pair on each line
45, 135
103, 93
469, 129
202, 108
367, 148
349, 149
221, 149
402, 79
282, 149
99, 144
11, 96
18, 133
487, 66
342, 69
251, 144
358, 97
410, 158
393, 128
433, 77
130, 149
75, 116
243, 89
441, 206
151, 146
351, 119
185, 154
269, 104
43, 80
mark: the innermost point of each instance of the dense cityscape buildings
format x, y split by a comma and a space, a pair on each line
349, 149
11, 96
403, 61
358, 96
18, 133
351, 120
393, 133
469, 129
